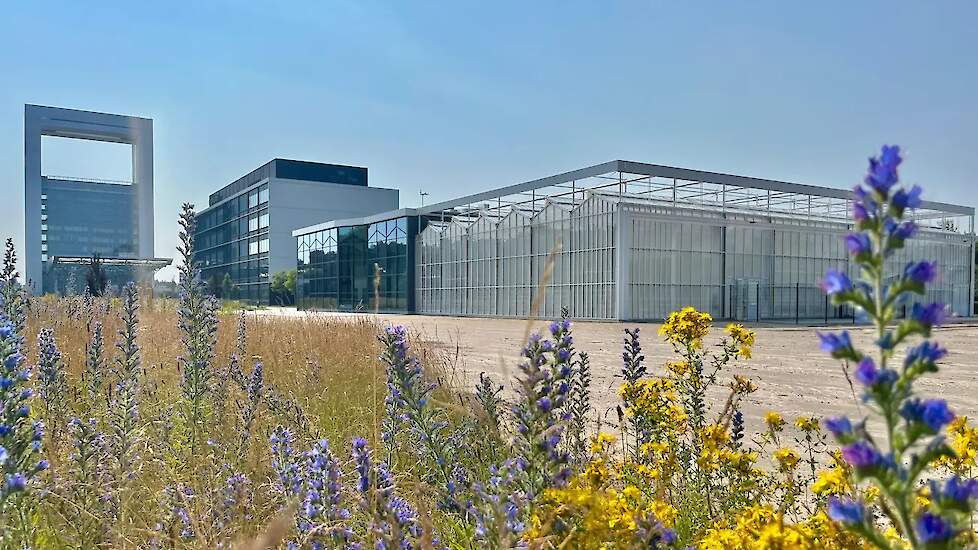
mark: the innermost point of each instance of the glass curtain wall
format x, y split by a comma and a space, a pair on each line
337, 269
732, 265
563, 257
232, 243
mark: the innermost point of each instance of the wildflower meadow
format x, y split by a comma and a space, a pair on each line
134, 422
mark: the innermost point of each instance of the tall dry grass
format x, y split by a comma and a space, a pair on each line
322, 380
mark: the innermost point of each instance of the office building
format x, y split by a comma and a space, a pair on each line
616, 241
244, 236
68, 219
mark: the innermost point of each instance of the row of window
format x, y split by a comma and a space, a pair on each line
233, 208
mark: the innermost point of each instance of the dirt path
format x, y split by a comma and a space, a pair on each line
794, 377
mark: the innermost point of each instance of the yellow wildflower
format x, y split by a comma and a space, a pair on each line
833, 481
678, 368
760, 526
742, 338
602, 442
787, 459
807, 423
774, 421
963, 440
686, 327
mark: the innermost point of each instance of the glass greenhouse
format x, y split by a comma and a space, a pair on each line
632, 241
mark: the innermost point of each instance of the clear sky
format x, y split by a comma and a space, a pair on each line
456, 97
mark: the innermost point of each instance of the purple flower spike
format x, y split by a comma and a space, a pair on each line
836, 282
862, 454
846, 511
858, 243
933, 529
921, 272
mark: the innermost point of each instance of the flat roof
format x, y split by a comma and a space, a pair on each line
292, 169
659, 184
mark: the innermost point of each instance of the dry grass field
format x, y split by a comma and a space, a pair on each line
793, 376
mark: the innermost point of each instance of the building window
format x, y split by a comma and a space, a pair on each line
44, 207
44, 257
44, 247
263, 221
44, 237
263, 194
263, 245
253, 199
44, 227
44, 217
253, 223
44, 196
253, 247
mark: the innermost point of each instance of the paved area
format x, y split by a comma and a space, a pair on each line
794, 377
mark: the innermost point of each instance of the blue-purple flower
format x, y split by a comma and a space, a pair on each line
858, 244
900, 232
836, 282
862, 454
932, 528
926, 352
956, 492
929, 315
846, 511
840, 426
934, 413
835, 343
921, 272
870, 376
904, 198
883, 170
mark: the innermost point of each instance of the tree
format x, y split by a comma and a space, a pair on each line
282, 291
227, 287
96, 278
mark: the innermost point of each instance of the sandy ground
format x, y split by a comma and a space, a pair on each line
793, 376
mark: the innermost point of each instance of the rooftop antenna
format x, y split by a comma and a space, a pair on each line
423, 195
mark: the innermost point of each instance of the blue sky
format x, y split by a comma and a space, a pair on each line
456, 97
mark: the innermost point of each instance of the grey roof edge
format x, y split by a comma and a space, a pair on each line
364, 220
33, 107
633, 167
268, 180
581, 173
760, 183
659, 170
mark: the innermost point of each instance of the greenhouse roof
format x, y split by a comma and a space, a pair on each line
678, 187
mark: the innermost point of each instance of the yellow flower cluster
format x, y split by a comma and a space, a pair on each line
686, 327
742, 338
963, 439
653, 399
678, 368
774, 421
787, 459
761, 527
807, 423
590, 513
717, 452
